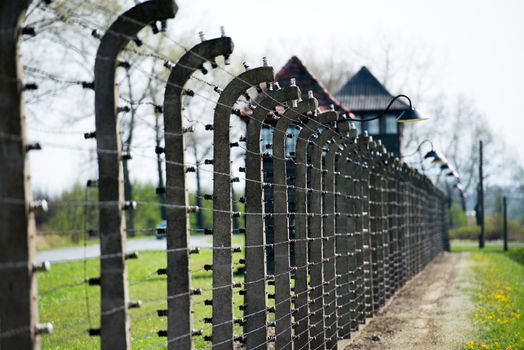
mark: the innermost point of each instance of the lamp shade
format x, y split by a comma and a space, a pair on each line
438, 158
409, 116
430, 154
453, 173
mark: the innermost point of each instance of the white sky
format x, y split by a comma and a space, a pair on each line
476, 49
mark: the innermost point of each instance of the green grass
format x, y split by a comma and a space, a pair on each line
499, 299
474, 249
517, 255
462, 246
73, 307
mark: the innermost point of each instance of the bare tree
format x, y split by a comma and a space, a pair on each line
65, 47
333, 70
200, 151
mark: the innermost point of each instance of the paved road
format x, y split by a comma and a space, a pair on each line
92, 251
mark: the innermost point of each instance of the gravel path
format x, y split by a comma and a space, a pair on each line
430, 312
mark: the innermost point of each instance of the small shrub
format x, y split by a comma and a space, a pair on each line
493, 232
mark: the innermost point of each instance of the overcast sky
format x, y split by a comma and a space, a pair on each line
476, 48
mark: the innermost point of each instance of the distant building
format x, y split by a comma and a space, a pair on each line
362, 97
306, 81
366, 97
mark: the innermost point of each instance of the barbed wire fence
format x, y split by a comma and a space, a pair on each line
351, 223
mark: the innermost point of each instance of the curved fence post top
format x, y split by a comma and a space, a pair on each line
353, 131
349, 137
343, 126
241, 83
307, 105
298, 113
395, 162
196, 57
310, 105
327, 117
364, 139
127, 25
274, 97
372, 145
381, 149
344, 139
324, 136
319, 121
405, 171
306, 132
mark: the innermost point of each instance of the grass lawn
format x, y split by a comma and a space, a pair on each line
499, 298
73, 307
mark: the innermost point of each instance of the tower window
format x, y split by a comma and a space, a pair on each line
390, 125
372, 126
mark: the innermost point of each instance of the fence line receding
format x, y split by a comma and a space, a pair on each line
314, 226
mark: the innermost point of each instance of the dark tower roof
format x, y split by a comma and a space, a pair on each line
306, 80
364, 93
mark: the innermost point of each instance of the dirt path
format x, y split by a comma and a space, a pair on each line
430, 312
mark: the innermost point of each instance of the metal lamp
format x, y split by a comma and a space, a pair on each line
407, 116
438, 158
410, 116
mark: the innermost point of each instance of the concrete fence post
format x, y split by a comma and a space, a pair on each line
317, 317
255, 312
115, 327
364, 142
402, 224
359, 169
335, 147
383, 220
301, 293
344, 205
393, 214
505, 223
283, 329
222, 319
178, 275
18, 284
377, 265
348, 242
